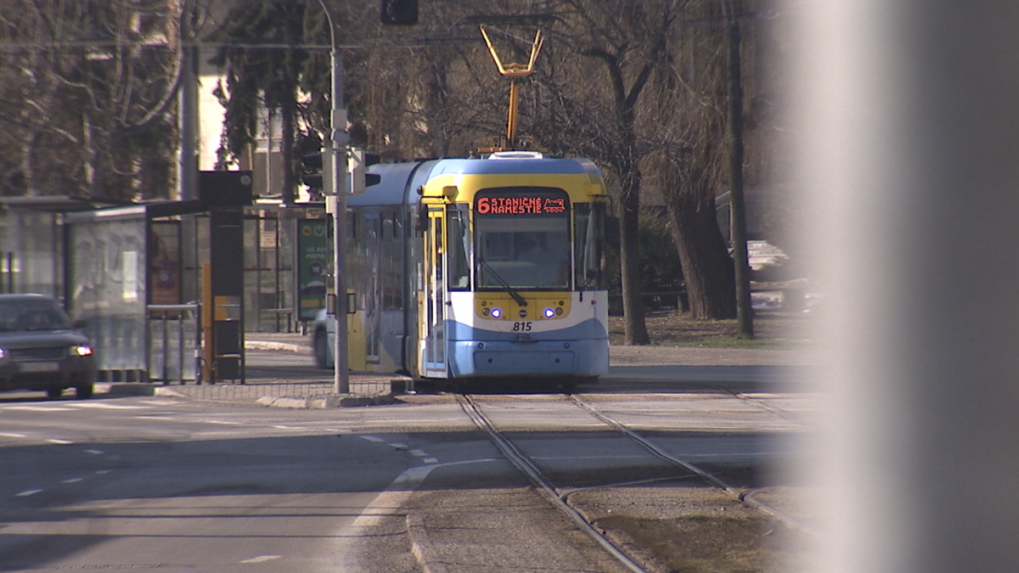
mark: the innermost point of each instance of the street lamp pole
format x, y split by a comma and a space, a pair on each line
336, 148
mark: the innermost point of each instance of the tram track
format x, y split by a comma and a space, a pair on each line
524, 463
560, 497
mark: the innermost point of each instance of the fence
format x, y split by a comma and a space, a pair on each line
173, 342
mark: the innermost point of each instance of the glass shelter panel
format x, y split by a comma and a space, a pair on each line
522, 237
31, 252
109, 289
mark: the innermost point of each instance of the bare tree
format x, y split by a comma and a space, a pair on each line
598, 89
690, 165
639, 87
699, 155
656, 115
87, 96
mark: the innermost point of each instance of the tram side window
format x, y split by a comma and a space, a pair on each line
457, 242
391, 262
589, 226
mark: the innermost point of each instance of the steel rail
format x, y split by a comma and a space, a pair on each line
744, 496
524, 464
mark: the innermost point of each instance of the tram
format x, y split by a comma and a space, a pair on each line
488, 268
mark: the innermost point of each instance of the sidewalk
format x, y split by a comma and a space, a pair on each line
282, 387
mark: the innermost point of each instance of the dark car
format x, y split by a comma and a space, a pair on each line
40, 350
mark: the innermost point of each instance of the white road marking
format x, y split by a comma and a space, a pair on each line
98, 405
6, 435
73, 480
375, 439
59, 442
39, 408
28, 492
261, 559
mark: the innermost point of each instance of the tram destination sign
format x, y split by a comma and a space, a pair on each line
522, 203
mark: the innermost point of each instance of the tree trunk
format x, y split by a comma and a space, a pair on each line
707, 267
635, 330
744, 310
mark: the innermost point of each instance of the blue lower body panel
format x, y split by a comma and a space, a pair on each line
536, 358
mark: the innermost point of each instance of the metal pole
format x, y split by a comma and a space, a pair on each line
511, 123
337, 150
187, 98
339, 158
166, 348
180, 347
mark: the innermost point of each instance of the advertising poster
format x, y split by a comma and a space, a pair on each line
313, 255
164, 263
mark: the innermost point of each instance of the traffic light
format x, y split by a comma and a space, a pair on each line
399, 12
358, 169
313, 174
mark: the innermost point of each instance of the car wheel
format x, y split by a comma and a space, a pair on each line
84, 392
321, 349
54, 393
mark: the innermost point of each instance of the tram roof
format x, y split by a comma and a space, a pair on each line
400, 181
509, 166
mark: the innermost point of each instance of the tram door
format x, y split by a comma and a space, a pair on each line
433, 332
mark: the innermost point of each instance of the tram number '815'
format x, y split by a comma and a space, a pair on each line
521, 327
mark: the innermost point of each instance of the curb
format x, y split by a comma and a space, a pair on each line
421, 546
291, 402
326, 402
125, 389
271, 346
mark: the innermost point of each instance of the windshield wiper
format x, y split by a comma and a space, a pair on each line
516, 296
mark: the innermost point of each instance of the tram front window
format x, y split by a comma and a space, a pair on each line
522, 239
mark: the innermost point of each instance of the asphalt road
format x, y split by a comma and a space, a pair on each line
189, 485
143, 483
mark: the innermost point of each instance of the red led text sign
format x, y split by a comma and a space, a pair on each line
520, 205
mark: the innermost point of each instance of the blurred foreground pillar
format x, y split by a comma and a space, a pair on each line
908, 147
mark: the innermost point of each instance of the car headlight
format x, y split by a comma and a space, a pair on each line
82, 350
3, 353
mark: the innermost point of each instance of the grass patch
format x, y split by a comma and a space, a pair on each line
771, 331
704, 543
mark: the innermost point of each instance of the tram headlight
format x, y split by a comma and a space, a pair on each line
549, 312
496, 313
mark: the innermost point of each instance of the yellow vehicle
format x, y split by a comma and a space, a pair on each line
478, 268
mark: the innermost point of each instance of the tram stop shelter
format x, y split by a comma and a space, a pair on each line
133, 274
128, 271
